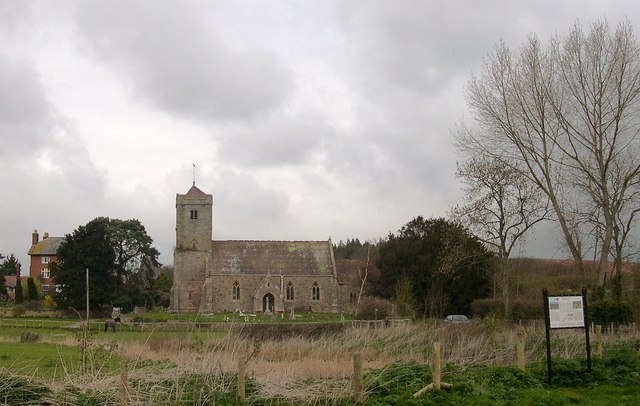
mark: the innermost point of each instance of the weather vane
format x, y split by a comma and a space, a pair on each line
194, 174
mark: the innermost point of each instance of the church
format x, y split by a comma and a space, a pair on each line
249, 276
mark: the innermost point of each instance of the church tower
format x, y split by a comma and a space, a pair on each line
194, 231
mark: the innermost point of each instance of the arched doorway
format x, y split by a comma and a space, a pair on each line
267, 303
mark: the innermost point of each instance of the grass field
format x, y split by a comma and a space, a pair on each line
189, 366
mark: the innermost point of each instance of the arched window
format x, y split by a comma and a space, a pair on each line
352, 297
315, 292
290, 291
236, 291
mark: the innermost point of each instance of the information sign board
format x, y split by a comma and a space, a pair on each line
566, 312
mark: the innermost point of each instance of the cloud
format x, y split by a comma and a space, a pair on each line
172, 57
25, 114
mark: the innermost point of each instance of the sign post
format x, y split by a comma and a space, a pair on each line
563, 312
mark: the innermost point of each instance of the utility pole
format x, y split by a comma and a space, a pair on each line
87, 278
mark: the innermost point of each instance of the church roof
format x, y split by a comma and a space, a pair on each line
195, 192
276, 257
48, 246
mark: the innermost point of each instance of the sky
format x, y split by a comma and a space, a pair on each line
305, 119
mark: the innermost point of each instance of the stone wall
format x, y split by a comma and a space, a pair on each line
219, 293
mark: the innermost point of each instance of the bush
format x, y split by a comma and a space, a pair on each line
372, 308
605, 312
521, 309
18, 310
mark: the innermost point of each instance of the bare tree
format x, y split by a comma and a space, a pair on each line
564, 115
363, 274
501, 206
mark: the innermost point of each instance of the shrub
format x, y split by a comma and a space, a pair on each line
521, 309
18, 310
605, 312
374, 308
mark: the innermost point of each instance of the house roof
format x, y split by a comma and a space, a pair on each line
48, 246
276, 257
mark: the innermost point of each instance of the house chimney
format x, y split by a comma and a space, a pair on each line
45, 236
35, 237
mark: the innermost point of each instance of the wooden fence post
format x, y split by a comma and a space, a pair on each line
599, 340
241, 374
436, 365
358, 387
521, 360
124, 383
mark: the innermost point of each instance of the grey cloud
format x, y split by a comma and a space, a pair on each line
174, 57
246, 209
25, 114
277, 141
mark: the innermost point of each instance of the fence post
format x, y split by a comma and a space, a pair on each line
124, 383
241, 374
599, 340
521, 349
436, 365
357, 378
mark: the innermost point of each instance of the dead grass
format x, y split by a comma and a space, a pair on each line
310, 368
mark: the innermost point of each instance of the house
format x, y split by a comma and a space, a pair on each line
246, 276
41, 254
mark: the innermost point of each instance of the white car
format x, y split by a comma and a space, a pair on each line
456, 319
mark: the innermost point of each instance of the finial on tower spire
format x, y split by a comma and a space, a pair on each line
194, 174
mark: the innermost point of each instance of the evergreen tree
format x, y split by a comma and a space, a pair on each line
436, 261
32, 290
120, 260
8, 266
19, 295
162, 283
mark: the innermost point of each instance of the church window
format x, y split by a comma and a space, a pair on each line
194, 214
315, 292
236, 291
290, 291
351, 297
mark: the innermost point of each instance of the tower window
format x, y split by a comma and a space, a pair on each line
315, 292
236, 291
194, 214
290, 291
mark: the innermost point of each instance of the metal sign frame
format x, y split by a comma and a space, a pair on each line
565, 312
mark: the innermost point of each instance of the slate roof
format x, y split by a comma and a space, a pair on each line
48, 246
277, 257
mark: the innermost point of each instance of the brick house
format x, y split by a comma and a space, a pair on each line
249, 276
41, 254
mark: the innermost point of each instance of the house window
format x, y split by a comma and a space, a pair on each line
289, 291
45, 289
236, 291
194, 214
44, 273
315, 292
45, 260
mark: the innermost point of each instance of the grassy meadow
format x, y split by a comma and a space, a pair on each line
196, 366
